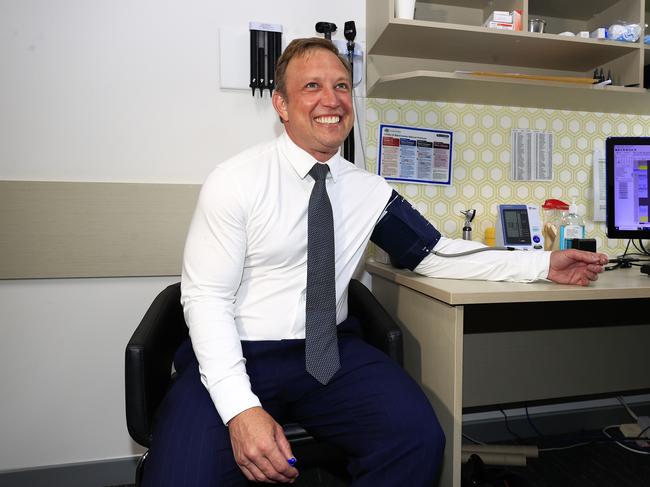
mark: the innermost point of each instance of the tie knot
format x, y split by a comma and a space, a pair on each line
319, 171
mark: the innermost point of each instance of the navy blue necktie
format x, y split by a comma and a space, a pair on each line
321, 343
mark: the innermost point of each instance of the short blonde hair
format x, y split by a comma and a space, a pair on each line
300, 47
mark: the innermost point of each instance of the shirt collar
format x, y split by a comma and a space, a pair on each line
302, 161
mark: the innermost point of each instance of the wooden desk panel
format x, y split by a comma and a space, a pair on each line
476, 343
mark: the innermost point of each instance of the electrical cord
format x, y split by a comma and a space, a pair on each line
640, 436
586, 441
567, 447
633, 450
363, 145
472, 251
642, 250
627, 408
532, 425
477, 442
621, 261
645, 251
627, 260
627, 247
515, 435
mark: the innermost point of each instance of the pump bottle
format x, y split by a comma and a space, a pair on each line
572, 226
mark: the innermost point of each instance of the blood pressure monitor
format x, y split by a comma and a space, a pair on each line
519, 226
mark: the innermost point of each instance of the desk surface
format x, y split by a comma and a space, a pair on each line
616, 284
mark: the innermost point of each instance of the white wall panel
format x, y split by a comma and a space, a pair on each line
120, 91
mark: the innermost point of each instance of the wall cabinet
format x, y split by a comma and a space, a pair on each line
429, 57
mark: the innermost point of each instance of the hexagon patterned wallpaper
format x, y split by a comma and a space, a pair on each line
481, 159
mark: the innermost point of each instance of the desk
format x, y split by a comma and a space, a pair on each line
473, 344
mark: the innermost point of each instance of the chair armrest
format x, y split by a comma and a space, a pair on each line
148, 361
378, 327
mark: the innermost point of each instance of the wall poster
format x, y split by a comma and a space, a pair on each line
414, 155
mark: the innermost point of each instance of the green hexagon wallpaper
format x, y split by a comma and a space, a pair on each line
481, 159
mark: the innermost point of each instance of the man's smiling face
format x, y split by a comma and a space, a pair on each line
317, 108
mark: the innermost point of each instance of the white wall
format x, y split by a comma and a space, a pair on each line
61, 367
99, 90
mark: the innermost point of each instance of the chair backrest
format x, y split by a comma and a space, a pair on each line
378, 327
148, 361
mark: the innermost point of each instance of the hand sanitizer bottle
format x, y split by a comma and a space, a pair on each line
572, 226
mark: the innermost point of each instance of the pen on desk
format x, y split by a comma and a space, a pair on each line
292, 461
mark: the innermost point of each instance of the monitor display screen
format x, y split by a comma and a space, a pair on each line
626, 166
517, 228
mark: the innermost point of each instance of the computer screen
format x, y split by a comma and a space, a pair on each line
627, 175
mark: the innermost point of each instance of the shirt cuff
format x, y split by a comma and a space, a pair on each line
541, 262
233, 395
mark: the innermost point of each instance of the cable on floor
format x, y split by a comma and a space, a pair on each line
633, 450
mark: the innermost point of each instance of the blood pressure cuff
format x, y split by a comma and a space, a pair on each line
404, 233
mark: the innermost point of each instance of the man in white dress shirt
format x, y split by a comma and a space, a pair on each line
243, 292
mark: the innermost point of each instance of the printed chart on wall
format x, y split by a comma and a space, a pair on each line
414, 155
532, 155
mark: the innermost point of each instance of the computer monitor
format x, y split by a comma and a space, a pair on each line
626, 168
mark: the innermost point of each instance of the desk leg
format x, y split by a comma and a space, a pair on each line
433, 355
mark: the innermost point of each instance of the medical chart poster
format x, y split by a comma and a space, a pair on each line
414, 155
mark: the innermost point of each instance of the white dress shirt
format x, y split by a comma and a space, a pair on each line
245, 263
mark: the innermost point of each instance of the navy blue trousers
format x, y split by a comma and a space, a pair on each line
371, 409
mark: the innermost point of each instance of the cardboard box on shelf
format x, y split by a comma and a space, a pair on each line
500, 19
500, 25
501, 16
516, 19
498, 16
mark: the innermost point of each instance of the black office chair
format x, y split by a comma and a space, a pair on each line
150, 352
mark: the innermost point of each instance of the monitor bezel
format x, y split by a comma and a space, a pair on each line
612, 231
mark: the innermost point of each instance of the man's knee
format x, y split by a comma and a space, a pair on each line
423, 434
434, 438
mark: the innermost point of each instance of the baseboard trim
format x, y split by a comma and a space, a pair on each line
101, 473
550, 424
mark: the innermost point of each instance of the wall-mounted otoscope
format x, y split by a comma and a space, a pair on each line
326, 28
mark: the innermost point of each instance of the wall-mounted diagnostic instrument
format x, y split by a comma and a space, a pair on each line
265, 49
519, 226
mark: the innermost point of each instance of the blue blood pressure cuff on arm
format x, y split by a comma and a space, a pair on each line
404, 233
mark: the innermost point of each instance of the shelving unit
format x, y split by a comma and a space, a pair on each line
646, 60
422, 58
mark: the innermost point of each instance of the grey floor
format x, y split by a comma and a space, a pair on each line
309, 477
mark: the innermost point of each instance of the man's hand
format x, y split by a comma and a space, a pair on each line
575, 266
261, 450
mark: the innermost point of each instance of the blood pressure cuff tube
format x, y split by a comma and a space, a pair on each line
404, 233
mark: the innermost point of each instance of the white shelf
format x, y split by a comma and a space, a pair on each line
418, 59
428, 40
454, 88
